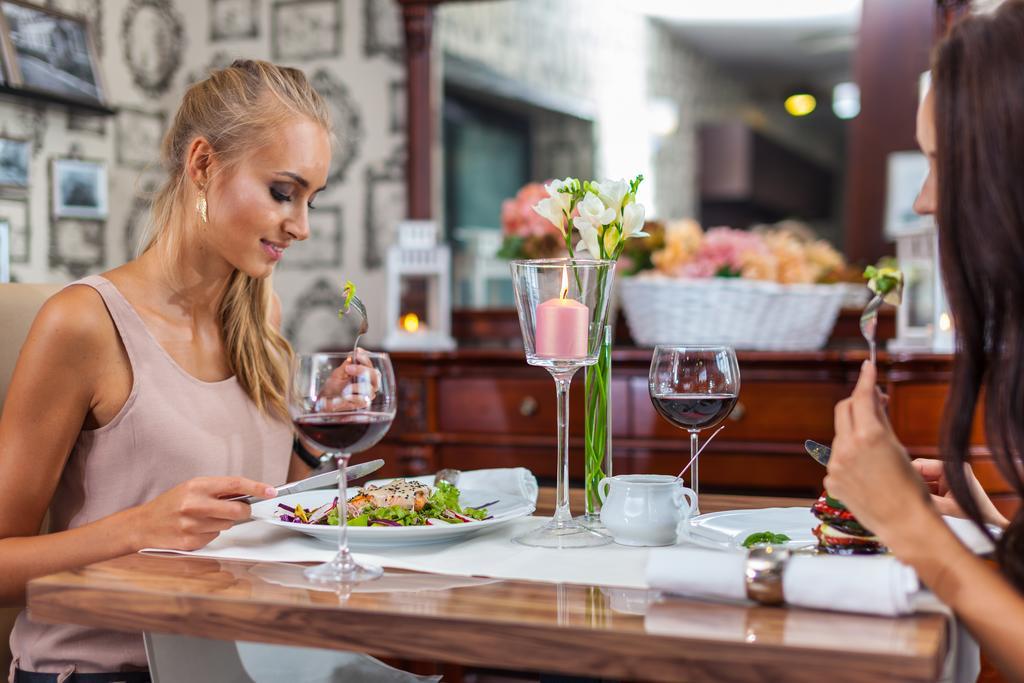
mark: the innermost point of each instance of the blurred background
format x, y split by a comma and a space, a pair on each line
737, 112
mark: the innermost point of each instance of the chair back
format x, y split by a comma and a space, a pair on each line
19, 304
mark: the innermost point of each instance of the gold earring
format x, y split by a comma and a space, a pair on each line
201, 205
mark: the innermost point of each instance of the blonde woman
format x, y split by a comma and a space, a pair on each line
144, 397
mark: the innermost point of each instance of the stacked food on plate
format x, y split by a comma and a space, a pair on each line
839, 532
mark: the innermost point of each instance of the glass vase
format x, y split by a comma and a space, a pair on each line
597, 429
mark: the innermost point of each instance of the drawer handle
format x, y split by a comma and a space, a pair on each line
739, 411
528, 407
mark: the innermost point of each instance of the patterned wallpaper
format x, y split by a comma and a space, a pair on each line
150, 50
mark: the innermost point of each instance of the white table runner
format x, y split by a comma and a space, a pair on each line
491, 554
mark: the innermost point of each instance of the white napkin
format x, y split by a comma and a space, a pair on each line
517, 481
871, 585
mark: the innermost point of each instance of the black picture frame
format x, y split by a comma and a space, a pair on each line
385, 186
138, 138
16, 212
78, 245
153, 36
29, 34
79, 189
15, 162
378, 17
234, 20
397, 105
90, 10
297, 34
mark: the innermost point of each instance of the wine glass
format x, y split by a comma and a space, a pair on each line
694, 388
563, 309
342, 412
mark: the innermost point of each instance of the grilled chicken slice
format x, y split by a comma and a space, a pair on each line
409, 495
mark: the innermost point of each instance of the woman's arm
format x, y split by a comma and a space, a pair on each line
982, 598
870, 472
53, 391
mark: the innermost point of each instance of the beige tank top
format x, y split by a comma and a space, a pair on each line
173, 427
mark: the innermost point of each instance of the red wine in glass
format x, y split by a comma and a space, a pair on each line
344, 432
694, 411
694, 388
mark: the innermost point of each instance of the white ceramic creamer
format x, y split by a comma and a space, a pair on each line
645, 509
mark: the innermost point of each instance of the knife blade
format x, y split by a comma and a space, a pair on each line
818, 451
319, 481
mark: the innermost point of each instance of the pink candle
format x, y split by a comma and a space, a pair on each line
562, 328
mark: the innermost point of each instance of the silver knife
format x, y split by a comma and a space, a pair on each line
319, 481
818, 451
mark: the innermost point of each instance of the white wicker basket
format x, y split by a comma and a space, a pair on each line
745, 314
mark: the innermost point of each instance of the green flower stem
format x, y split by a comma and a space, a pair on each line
596, 426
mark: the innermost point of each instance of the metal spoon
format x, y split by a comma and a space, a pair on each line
869, 323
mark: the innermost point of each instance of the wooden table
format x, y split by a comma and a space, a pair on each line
518, 625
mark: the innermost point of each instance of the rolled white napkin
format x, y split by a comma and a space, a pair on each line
517, 481
869, 585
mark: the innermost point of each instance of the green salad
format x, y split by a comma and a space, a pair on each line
414, 505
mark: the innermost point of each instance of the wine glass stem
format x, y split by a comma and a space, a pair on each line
562, 513
344, 558
694, 479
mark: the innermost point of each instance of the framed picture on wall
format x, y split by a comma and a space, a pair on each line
5, 251
905, 174
14, 212
79, 189
49, 51
14, 158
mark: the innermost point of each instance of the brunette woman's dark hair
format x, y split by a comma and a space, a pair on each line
978, 87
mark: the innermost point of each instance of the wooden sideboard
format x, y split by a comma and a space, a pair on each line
476, 408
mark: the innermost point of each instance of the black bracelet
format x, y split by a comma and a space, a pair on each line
304, 455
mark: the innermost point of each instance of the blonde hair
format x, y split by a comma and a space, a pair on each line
237, 110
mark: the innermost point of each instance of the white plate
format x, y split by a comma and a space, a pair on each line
508, 508
729, 528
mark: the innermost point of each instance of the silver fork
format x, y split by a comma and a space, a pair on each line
869, 323
364, 325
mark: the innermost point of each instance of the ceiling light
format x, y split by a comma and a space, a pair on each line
801, 104
846, 100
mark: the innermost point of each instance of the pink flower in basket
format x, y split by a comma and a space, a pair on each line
725, 251
518, 219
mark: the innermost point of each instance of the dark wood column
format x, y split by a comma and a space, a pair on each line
892, 51
418, 20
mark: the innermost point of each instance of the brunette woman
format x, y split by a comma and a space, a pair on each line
971, 127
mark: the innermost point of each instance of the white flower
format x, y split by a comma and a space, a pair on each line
593, 213
562, 200
612, 192
590, 239
633, 221
549, 210
556, 207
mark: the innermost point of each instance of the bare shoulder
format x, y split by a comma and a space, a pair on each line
73, 321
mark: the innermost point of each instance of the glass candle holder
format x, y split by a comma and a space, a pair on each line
563, 310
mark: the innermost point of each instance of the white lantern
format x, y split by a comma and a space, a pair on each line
419, 290
923, 322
